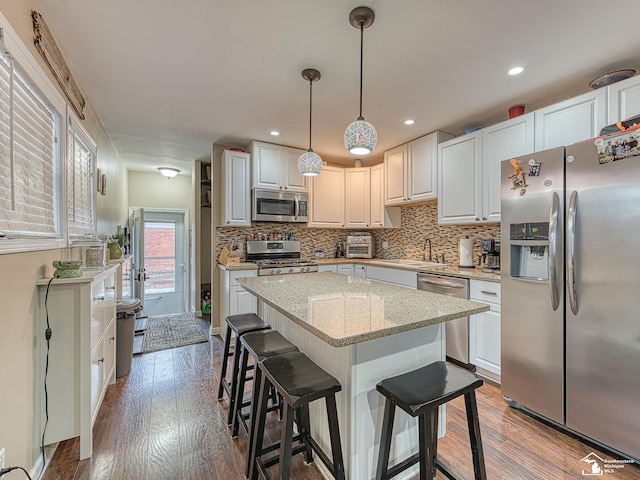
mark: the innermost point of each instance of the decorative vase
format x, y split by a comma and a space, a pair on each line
115, 250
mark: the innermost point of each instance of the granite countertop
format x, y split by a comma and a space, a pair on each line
475, 273
344, 310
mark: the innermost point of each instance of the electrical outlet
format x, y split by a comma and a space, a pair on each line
2, 458
385, 244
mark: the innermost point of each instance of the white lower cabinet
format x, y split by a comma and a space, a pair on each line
81, 354
234, 298
360, 271
345, 269
484, 329
393, 275
328, 268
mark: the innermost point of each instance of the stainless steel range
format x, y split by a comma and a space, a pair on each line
278, 257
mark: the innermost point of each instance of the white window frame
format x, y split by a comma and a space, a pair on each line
41, 83
76, 131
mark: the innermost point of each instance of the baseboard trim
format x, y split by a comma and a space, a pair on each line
213, 331
38, 469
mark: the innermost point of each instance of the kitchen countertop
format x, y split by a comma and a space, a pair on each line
343, 310
450, 270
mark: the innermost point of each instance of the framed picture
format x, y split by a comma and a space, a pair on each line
103, 184
99, 180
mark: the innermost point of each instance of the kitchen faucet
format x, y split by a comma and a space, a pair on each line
424, 247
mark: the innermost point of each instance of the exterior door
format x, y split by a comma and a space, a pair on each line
164, 238
139, 275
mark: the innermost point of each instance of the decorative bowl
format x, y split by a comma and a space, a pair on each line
67, 264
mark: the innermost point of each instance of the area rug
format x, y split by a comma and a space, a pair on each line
171, 331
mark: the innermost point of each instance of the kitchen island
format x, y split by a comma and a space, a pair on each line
360, 331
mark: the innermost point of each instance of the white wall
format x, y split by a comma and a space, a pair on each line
19, 272
153, 190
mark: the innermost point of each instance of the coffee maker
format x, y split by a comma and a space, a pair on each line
340, 249
489, 260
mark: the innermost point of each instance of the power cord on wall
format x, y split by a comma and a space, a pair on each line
10, 469
47, 335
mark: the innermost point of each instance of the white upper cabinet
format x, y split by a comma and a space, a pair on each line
411, 170
469, 169
381, 216
326, 198
460, 175
571, 121
358, 197
275, 167
235, 189
503, 141
624, 99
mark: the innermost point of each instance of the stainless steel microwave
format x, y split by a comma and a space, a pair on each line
274, 206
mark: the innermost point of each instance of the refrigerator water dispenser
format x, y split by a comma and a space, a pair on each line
529, 251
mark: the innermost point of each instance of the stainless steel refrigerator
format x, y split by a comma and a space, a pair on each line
570, 237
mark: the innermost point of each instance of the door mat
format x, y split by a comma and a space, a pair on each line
171, 331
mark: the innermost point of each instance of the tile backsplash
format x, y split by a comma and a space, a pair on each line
418, 223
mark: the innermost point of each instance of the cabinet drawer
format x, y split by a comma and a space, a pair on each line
109, 344
97, 378
483, 291
98, 307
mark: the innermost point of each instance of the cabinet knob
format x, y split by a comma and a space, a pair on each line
228, 222
286, 188
484, 218
101, 361
111, 288
280, 188
100, 299
477, 219
112, 339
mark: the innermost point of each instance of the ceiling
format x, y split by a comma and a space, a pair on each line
169, 78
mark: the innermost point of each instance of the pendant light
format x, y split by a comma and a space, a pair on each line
361, 137
310, 163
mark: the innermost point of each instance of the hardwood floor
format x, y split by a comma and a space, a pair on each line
163, 421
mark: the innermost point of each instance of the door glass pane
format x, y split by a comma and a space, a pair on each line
160, 257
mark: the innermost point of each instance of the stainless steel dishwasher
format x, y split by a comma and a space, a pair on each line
457, 331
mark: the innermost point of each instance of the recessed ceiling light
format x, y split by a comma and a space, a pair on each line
516, 70
275, 133
409, 122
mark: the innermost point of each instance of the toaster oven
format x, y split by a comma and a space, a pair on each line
360, 245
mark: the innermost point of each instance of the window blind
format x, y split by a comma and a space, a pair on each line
81, 186
27, 158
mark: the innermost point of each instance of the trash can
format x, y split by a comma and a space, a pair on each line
125, 330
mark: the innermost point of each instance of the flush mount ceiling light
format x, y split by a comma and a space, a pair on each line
310, 163
516, 70
361, 137
168, 171
275, 133
409, 122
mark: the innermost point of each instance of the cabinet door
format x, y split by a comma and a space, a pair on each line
381, 216
422, 161
97, 378
357, 197
459, 164
293, 180
345, 269
326, 196
235, 190
484, 340
98, 311
573, 120
624, 100
110, 352
501, 142
395, 174
360, 271
328, 268
241, 301
267, 171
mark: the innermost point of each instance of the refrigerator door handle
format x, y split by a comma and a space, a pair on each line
571, 230
553, 251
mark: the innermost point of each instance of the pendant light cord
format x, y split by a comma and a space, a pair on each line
310, 105
361, 56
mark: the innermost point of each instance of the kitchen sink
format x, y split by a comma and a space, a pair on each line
410, 262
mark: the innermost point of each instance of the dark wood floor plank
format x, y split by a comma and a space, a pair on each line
163, 421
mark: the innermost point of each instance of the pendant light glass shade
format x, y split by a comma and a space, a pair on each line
310, 163
361, 137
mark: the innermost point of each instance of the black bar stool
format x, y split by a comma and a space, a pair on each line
420, 393
299, 381
258, 345
238, 325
